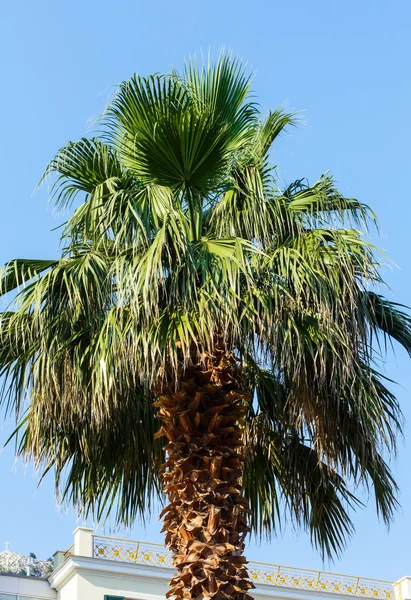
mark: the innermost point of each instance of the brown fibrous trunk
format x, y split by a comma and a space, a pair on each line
205, 522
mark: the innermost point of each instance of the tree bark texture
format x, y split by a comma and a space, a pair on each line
205, 522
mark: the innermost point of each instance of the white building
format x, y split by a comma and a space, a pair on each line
99, 568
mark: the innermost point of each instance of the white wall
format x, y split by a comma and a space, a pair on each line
85, 578
14, 587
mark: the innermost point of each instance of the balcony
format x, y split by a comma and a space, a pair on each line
262, 574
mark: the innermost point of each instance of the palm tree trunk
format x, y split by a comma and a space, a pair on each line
205, 521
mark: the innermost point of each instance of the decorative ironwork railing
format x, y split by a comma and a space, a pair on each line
320, 581
69, 552
304, 579
142, 553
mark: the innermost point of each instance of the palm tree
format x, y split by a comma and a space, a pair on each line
196, 301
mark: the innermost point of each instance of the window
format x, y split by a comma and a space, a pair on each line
111, 598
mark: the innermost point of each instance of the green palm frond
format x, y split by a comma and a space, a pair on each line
287, 480
82, 166
99, 466
390, 318
222, 87
289, 468
324, 203
20, 271
276, 122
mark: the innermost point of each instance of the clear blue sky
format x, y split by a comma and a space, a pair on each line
346, 63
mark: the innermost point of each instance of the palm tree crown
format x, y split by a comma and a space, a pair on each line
181, 236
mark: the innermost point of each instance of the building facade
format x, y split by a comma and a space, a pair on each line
99, 568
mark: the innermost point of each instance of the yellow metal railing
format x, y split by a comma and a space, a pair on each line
69, 552
142, 553
320, 581
289, 577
